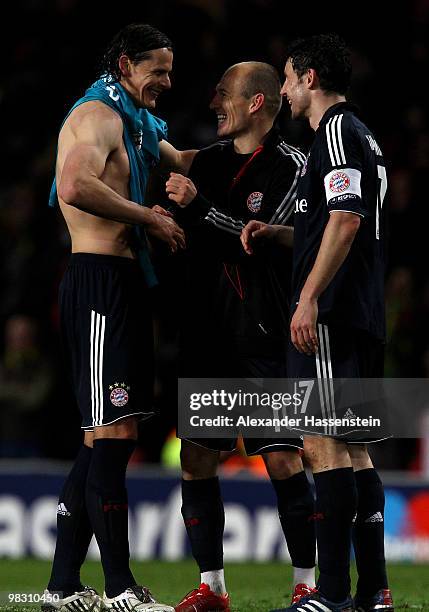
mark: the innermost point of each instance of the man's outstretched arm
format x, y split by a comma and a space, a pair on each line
258, 230
175, 160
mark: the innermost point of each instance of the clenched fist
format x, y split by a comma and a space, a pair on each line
180, 189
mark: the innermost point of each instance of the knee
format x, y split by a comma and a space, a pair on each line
323, 453
283, 464
314, 451
125, 429
198, 462
88, 439
360, 457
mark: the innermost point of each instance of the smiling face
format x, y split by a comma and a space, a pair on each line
297, 93
231, 107
146, 79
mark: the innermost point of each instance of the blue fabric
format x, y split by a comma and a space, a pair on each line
142, 133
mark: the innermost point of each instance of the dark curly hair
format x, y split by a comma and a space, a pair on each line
136, 41
328, 55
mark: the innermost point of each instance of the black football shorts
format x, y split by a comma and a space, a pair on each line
344, 353
214, 361
107, 334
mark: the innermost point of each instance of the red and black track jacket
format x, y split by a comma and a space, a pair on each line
234, 301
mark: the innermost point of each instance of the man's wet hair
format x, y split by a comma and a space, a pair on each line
328, 55
262, 78
136, 41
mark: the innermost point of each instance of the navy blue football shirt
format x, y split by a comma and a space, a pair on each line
344, 171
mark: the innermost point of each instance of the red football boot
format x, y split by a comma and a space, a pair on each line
382, 600
301, 590
203, 600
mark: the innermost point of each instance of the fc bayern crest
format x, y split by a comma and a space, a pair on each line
339, 182
254, 201
119, 394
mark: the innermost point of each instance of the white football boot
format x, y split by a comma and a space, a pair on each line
135, 599
87, 600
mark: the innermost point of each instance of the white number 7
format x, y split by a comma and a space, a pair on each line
382, 188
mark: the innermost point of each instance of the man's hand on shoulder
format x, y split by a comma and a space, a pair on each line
180, 189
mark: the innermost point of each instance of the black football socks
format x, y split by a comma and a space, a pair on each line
204, 517
107, 504
74, 530
296, 509
336, 503
368, 534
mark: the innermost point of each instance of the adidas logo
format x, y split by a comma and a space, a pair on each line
63, 510
349, 414
375, 518
312, 605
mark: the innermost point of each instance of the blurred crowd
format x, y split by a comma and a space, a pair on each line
50, 55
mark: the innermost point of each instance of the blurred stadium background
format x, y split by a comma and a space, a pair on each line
49, 52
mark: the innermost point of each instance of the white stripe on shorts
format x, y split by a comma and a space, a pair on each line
324, 376
98, 325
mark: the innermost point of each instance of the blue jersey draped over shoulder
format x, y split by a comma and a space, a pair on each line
142, 133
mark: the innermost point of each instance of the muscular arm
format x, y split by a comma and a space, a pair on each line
90, 136
172, 159
95, 134
334, 248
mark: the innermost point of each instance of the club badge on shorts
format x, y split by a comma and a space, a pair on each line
119, 394
339, 182
254, 201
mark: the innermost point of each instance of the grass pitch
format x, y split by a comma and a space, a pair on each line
254, 587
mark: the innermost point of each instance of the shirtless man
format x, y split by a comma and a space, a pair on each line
107, 145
